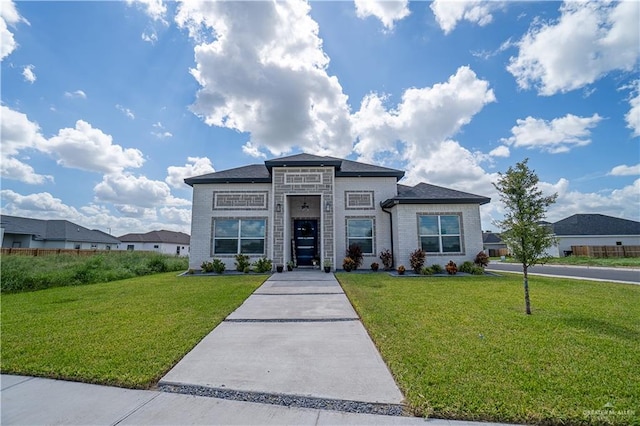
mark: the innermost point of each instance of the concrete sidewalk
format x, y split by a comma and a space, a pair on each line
295, 341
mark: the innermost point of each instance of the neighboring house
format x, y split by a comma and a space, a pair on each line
493, 244
307, 208
22, 232
595, 230
167, 242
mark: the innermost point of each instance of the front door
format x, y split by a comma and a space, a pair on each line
305, 235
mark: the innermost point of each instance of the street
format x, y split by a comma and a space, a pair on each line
621, 275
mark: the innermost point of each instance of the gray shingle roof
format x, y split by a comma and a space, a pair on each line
257, 173
54, 230
424, 193
163, 236
596, 224
491, 238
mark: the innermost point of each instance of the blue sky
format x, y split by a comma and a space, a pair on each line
108, 106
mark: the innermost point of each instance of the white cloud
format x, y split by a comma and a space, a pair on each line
155, 9
265, 74
555, 136
134, 194
175, 215
589, 40
88, 148
633, 116
448, 13
28, 74
624, 170
18, 133
126, 111
387, 11
195, 166
8, 16
78, 94
253, 151
39, 205
501, 151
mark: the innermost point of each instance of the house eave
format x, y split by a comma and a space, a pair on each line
193, 181
393, 201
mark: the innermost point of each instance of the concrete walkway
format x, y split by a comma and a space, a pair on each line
295, 341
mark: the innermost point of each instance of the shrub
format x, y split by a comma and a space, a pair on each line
451, 268
375, 266
263, 265
247, 269
387, 259
477, 270
426, 271
467, 267
348, 264
157, 263
417, 259
354, 252
242, 262
436, 269
206, 267
482, 259
401, 269
218, 266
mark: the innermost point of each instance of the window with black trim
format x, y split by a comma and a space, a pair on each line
233, 236
440, 233
360, 232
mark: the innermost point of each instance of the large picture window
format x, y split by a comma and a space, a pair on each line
440, 233
360, 232
233, 236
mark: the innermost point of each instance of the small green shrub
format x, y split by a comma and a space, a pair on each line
218, 266
206, 267
436, 268
157, 264
354, 252
247, 269
426, 271
242, 262
477, 270
466, 267
417, 258
387, 259
263, 265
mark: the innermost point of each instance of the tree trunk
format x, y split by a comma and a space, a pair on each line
527, 304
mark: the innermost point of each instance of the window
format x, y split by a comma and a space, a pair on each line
130, 247
440, 233
233, 236
156, 246
360, 232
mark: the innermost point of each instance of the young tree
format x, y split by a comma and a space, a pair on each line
526, 208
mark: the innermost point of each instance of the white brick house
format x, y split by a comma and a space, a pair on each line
305, 207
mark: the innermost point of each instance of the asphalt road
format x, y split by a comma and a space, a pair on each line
624, 275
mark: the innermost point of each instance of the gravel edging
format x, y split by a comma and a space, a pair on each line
285, 400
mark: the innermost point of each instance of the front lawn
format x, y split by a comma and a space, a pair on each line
462, 347
125, 333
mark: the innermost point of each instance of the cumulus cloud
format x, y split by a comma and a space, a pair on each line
28, 74
43, 203
195, 166
90, 149
78, 94
8, 16
126, 111
633, 116
133, 194
501, 151
176, 215
265, 73
155, 9
589, 40
388, 12
555, 136
624, 170
18, 133
448, 13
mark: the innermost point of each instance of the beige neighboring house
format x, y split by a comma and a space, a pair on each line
309, 209
166, 242
23, 232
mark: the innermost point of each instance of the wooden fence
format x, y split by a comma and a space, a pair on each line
498, 252
50, 252
606, 251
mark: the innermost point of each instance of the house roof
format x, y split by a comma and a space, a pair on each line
596, 224
491, 238
163, 236
424, 193
261, 173
54, 230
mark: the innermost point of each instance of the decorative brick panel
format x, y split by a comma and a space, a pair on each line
359, 200
303, 178
223, 200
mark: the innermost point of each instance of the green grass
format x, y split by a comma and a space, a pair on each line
28, 273
126, 333
462, 347
587, 261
